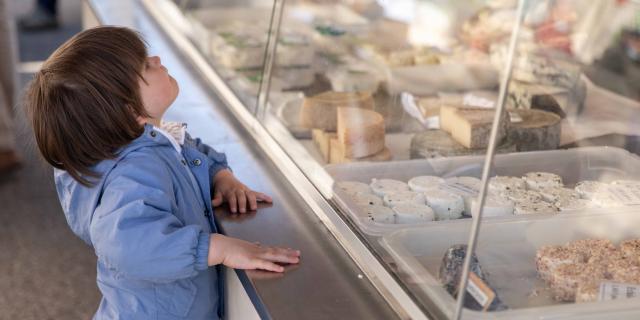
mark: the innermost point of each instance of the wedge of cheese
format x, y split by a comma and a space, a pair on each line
337, 155
361, 132
320, 111
471, 127
322, 140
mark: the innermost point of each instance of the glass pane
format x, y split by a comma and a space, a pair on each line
232, 35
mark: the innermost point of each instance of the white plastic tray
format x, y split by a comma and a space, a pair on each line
506, 251
574, 165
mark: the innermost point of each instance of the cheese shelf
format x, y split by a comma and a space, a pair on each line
352, 90
506, 252
603, 164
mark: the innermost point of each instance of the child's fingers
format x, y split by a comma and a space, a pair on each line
217, 199
233, 202
263, 197
242, 201
269, 266
281, 255
253, 202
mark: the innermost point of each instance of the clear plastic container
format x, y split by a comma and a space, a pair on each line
573, 165
506, 251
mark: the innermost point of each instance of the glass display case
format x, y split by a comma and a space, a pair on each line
389, 109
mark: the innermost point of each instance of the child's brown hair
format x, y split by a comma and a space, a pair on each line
84, 102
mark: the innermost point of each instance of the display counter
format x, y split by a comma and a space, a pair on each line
400, 132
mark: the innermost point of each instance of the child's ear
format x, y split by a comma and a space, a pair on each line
141, 120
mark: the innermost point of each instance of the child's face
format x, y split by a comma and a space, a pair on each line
159, 91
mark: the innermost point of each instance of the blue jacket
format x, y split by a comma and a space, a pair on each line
149, 222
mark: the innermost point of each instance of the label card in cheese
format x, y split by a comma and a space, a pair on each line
615, 291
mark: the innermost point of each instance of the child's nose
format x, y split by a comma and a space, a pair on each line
155, 60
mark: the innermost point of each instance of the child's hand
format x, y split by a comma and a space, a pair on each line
240, 254
228, 188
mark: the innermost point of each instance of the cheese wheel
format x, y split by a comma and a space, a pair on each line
538, 130
522, 196
337, 154
364, 199
573, 204
445, 204
383, 186
391, 199
412, 213
588, 189
494, 206
353, 187
556, 194
380, 214
466, 187
431, 144
361, 132
321, 111
500, 184
541, 180
534, 208
424, 183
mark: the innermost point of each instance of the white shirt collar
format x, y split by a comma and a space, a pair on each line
175, 132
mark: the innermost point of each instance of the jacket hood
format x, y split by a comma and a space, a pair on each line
79, 202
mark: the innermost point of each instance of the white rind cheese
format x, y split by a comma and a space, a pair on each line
573, 204
494, 206
542, 180
411, 213
445, 204
379, 214
501, 184
383, 186
424, 183
555, 194
364, 199
588, 189
391, 199
534, 208
353, 187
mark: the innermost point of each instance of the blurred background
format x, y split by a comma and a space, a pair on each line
45, 271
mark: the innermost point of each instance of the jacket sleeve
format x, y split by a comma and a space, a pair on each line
134, 231
217, 160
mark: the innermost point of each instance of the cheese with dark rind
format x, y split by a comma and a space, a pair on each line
537, 96
321, 111
437, 144
538, 130
451, 271
471, 127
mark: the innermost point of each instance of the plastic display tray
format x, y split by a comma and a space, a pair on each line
506, 251
574, 165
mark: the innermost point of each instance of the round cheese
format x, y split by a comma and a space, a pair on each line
424, 183
353, 187
495, 206
365, 199
588, 189
555, 194
411, 213
522, 196
384, 186
466, 187
541, 180
392, 199
445, 204
534, 208
438, 144
538, 130
573, 204
380, 214
500, 184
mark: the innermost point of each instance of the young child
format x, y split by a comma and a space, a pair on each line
140, 195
